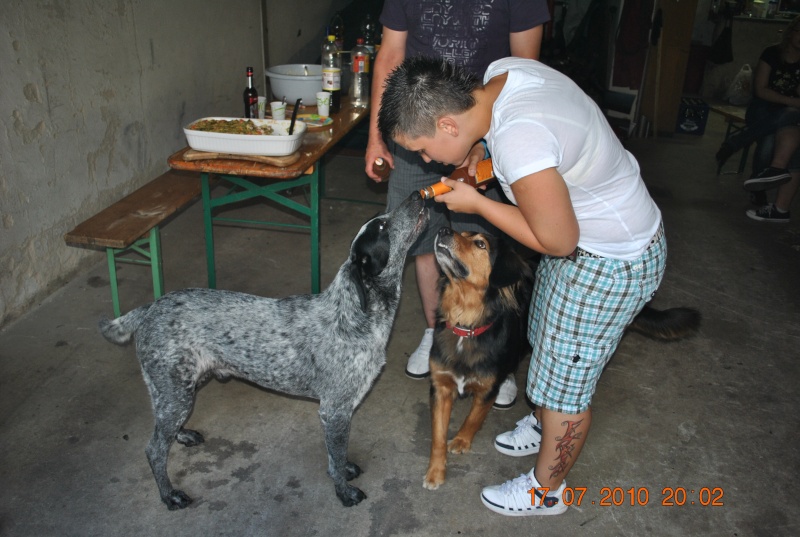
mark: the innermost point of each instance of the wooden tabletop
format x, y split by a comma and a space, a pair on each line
316, 143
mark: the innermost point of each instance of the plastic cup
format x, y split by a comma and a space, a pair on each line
278, 109
323, 104
262, 107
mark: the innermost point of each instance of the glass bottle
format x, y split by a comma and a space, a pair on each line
484, 173
381, 168
250, 96
359, 85
368, 31
332, 72
337, 30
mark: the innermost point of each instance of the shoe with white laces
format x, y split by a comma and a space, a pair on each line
524, 440
418, 366
769, 213
524, 496
507, 395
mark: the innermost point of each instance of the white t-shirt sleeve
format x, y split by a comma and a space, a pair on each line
520, 148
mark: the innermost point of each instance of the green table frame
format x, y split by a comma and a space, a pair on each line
248, 189
251, 179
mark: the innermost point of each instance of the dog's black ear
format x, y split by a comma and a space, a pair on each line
358, 281
374, 256
508, 268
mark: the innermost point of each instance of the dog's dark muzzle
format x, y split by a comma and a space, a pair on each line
444, 240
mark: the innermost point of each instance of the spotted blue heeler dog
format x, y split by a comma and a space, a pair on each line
329, 346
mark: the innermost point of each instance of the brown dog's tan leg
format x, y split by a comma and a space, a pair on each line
462, 442
444, 391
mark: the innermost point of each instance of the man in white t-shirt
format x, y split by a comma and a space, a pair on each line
579, 199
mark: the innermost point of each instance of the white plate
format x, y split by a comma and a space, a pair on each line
278, 144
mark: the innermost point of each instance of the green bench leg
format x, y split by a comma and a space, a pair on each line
112, 277
150, 249
209, 230
155, 262
314, 206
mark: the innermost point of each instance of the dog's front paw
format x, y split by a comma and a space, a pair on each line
352, 470
434, 478
459, 445
189, 438
177, 499
350, 495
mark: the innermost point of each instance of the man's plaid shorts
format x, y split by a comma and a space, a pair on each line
577, 317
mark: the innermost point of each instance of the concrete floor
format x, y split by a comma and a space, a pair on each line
714, 412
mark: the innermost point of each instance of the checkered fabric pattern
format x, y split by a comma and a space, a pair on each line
411, 173
577, 317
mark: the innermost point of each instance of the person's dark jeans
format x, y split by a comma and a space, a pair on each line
762, 119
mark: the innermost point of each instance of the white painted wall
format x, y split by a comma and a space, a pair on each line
93, 97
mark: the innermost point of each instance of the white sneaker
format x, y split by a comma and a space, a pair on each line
418, 366
514, 498
507, 395
524, 440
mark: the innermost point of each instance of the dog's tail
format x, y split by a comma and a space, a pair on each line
666, 325
121, 329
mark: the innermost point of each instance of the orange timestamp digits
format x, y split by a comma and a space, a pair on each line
617, 496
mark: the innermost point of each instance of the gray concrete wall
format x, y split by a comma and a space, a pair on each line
93, 97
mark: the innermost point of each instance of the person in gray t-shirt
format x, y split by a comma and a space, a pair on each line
473, 34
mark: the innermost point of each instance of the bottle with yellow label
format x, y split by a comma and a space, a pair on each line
332, 73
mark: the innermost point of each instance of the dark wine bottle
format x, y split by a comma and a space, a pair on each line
250, 96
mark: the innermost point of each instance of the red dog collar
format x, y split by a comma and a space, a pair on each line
468, 332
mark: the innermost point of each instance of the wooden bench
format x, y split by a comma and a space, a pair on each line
131, 225
734, 117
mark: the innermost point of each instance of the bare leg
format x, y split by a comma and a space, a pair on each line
563, 437
427, 283
427, 273
786, 192
787, 141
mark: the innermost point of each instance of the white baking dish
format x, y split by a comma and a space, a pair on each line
278, 144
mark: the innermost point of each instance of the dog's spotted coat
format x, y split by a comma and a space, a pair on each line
329, 346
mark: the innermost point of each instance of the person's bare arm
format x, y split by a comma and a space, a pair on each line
544, 219
391, 54
762, 91
527, 44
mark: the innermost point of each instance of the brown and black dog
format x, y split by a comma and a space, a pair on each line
480, 335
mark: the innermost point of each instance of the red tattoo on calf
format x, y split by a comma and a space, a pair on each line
565, 447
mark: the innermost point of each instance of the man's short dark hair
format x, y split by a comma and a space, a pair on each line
421, 90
